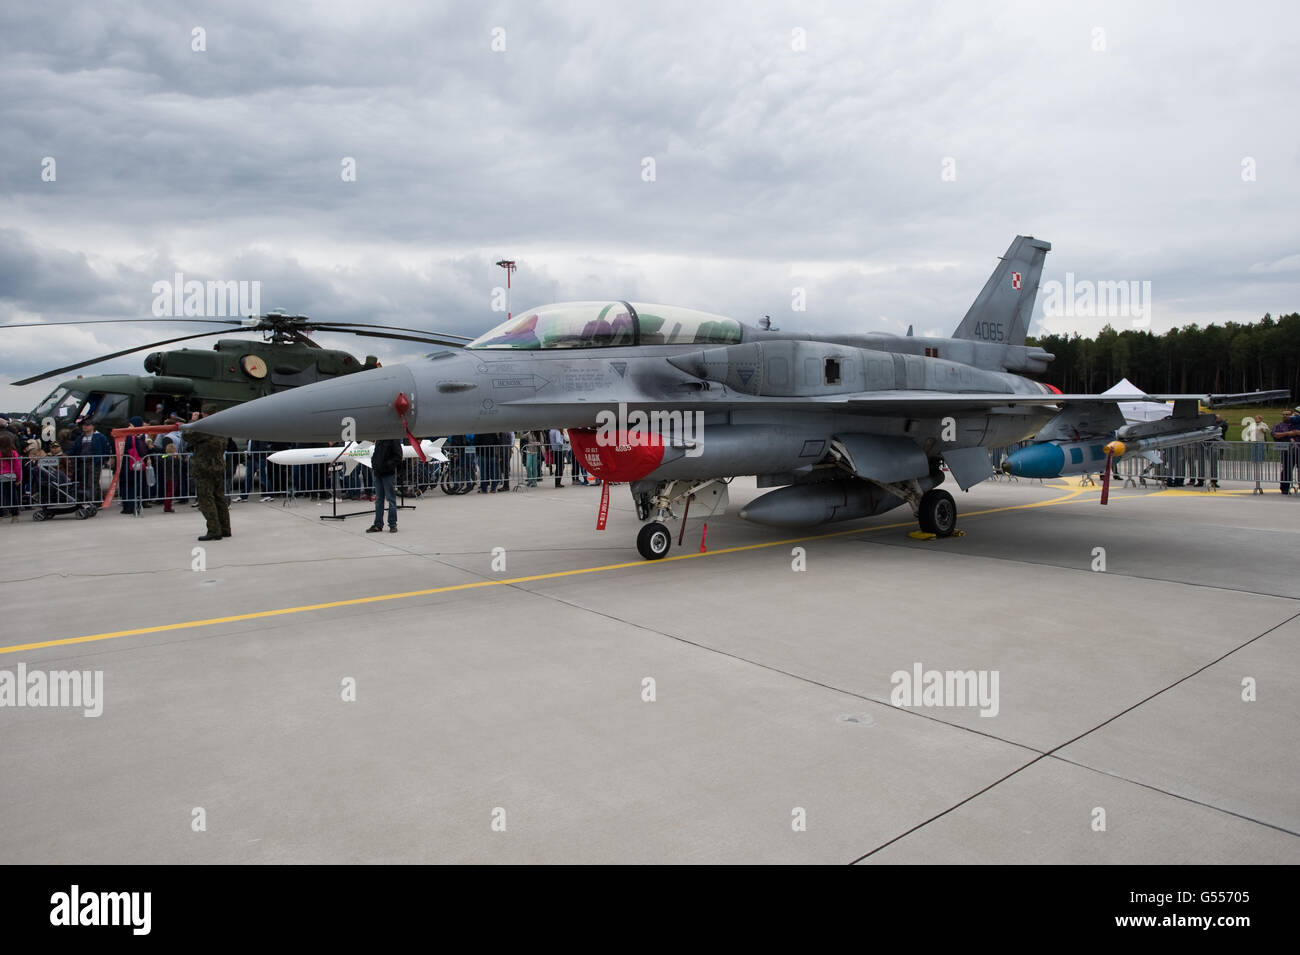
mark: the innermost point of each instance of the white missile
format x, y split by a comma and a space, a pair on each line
353, 453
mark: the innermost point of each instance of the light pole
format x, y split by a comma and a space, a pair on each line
509, 266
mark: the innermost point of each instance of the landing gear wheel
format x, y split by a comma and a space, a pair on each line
653, 541
937, 513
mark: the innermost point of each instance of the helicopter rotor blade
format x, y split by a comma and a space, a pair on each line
409, 338
235, 322
116, 354
396, 328
259, 322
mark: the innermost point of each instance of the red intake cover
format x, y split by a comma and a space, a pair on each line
620, 461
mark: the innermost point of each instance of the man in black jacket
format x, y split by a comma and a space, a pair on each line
93, 450
385, 459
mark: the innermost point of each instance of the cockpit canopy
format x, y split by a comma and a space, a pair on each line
608, 325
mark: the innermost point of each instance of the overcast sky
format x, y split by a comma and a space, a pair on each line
878, 156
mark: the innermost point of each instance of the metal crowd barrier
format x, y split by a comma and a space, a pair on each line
1254, 462
1262, 464
497, 467
57, 485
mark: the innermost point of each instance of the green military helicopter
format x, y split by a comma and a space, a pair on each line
233, 371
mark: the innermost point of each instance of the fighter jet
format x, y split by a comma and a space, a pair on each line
676, 402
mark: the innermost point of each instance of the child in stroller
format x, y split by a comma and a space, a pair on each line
53, 490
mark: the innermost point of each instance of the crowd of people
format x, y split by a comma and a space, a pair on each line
487, 458
1198, 465
37, 468
71, 467
75, 465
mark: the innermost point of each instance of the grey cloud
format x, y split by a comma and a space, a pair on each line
228, 162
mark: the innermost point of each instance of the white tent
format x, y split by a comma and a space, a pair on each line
1137, 410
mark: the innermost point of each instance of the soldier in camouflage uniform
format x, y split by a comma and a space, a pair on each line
208, 468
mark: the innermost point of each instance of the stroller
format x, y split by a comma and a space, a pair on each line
53, 492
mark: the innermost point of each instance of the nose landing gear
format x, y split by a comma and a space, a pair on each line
657, 498
654, 541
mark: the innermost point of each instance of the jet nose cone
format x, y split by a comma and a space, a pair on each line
324, 411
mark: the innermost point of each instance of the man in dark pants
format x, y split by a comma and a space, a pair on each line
558, 453
93, 450
209, 469
504, 450
1286, 435
488, 456
385, 459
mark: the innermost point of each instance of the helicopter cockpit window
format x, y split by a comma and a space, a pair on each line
108, 406
63, 405
671, 325
567, 325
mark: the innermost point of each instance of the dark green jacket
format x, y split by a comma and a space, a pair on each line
209, 452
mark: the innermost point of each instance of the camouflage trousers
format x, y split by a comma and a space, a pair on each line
213, 505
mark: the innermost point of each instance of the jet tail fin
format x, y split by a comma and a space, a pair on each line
1001, 312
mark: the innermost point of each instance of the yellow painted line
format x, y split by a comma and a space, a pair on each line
357, 601
1117, 487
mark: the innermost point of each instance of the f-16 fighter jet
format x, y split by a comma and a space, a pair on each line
675, 402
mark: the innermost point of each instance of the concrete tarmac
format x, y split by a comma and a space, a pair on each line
476, 687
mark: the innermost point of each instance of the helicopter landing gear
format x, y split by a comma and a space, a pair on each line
654, 541
937, 513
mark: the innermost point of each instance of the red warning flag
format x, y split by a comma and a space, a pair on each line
604, 506
402, 404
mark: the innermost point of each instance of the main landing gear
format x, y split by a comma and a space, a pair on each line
937, 513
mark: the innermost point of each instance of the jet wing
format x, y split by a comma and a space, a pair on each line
902, 403
935, 402
892, 402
